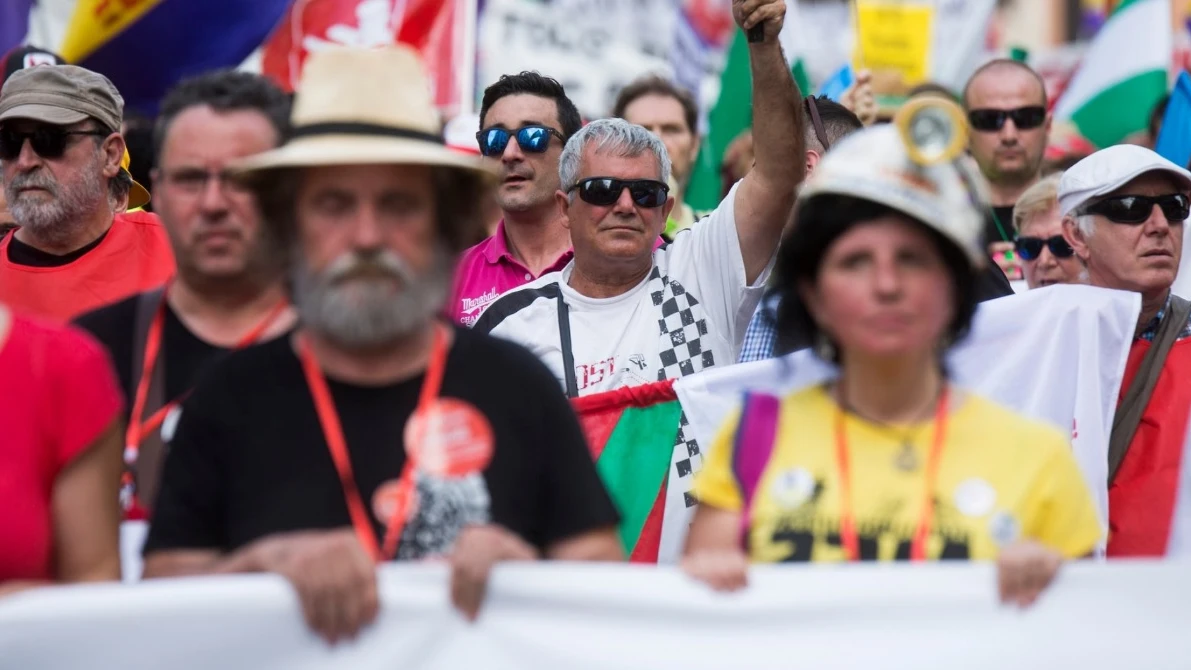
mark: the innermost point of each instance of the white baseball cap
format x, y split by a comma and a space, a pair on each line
1109, 169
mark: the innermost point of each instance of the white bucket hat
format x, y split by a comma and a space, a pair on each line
916, 166
1109, 169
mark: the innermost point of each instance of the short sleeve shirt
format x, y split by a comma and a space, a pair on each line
59, 396
1001, 478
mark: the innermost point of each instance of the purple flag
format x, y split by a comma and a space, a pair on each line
14, 21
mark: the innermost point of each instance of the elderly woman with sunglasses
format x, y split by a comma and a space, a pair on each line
890, 460
1046, 257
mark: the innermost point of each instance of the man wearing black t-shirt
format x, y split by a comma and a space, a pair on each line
305, 456
1007, 111
229, 287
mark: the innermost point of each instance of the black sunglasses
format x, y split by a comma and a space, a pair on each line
534, 139
1135, 209
48, 142
1030, 248
992, 120
605, 191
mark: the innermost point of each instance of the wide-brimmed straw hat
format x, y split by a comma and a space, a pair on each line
356, 106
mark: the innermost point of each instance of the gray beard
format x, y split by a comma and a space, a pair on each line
56, 221
363, 313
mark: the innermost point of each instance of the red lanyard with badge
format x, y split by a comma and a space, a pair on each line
848, 534
424, 416
137, 430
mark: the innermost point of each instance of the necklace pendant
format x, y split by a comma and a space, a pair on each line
906, 459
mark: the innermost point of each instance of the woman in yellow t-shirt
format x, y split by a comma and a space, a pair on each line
889, 461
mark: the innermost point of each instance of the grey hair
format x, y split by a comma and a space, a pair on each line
1086, 224
615, 136
119, 188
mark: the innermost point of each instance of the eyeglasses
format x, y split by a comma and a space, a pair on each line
48, 142
194, 180
1030, 248
1136, 209
817, 122
992, 120
534, 139
605, 191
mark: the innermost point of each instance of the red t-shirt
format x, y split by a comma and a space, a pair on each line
134, 256
58, 393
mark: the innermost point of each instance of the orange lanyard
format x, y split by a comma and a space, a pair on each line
337, 445
847, 520
137, 430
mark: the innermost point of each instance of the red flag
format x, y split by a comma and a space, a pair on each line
434, 27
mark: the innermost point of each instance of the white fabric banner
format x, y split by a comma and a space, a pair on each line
1055, 354
1111, 616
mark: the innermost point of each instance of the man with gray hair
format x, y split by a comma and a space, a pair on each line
61, 153
623, 313
1123, 212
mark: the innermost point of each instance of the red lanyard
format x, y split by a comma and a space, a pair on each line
337, 445
848, 521
138, 431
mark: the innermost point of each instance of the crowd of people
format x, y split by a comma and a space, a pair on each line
301, 362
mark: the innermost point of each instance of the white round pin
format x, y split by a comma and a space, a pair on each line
1003, 528
975, 497
792, 488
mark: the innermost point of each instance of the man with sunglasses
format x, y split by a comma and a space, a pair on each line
60, 153
624, 314
1124, 210
1006, 105
1047, 258
525, 119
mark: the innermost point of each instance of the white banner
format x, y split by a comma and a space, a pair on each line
1055, 354
1111, 616
593, 47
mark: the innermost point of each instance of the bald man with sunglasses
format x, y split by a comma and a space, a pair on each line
60, 160
1124, 211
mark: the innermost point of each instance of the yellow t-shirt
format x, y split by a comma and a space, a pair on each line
1001, 477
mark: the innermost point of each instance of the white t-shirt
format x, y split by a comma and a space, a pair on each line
689, 314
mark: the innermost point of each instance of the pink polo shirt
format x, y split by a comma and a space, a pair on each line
486, 271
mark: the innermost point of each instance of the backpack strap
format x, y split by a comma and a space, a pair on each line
1137, 397
754, 443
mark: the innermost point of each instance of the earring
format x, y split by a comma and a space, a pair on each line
823, 348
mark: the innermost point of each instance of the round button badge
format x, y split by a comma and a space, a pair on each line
453, 439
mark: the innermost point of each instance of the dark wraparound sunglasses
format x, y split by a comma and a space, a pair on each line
1030, 248
992, 120
1136, 209
605, 191
533, 139
47, 142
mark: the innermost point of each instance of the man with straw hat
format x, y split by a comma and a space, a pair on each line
375, 431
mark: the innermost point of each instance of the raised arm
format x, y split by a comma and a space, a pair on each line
766, 195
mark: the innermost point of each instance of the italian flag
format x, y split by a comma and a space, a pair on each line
631, 432
1123, 73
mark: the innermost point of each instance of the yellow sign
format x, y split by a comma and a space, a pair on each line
96, 22
893, 39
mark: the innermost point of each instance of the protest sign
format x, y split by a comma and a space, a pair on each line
893, 40
580, 616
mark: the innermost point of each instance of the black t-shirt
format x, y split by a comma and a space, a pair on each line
23, 254
184, 355
992, 233
248, 458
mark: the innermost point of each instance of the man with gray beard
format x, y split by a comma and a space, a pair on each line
375, 432
60, 162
